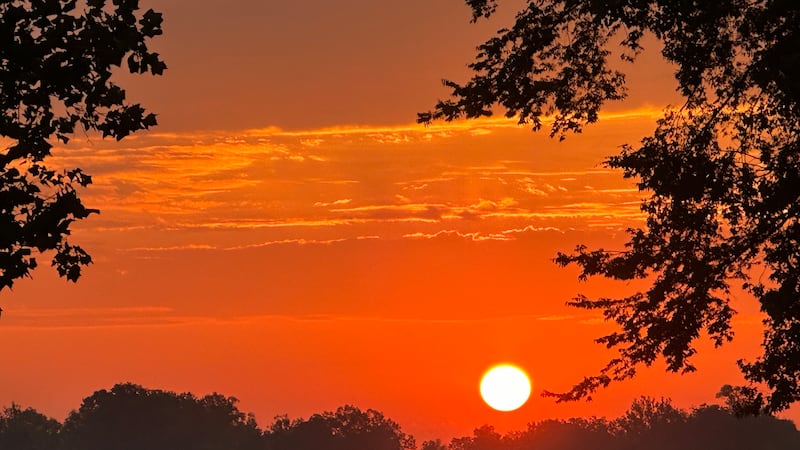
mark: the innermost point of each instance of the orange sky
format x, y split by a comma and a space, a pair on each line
288, 236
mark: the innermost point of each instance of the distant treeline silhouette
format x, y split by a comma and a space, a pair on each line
130, 417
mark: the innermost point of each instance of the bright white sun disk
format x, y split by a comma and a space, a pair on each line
505, 387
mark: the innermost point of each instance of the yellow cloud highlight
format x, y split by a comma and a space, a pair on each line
474, 126
473, 178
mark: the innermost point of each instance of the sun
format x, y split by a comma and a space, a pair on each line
505, 387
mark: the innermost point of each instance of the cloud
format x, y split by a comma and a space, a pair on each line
479, 126
311, 142
423, 211
97, 317
209, 247
590, 209
505, 235
478, 178
416, 187
287, 242
491, 205
39, 313
343, 201
172, 248
474, 236
254, 224
613, 191
482, 207
21, 318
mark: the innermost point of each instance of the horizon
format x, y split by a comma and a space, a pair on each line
123, 392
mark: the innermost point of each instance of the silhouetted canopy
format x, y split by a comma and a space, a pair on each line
347, 428
56, 67
130, 417
721, 171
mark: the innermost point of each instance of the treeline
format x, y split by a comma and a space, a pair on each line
130, 417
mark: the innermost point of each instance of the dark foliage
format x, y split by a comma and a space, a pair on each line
346, 428
56, 64
26, 429
130, 417
722, 171
649, 423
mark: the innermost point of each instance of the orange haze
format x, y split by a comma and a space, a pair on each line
287, 235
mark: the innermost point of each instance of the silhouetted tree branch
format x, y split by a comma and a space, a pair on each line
722, 171
56, 64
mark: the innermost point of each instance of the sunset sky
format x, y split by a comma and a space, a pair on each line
289, 236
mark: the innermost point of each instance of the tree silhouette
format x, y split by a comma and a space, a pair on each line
130, 417
433, 444
721, 170
646, 414
649, 423
346, 428
27, 429
56, 68
572, 434
483, 438
715, 427
742, 400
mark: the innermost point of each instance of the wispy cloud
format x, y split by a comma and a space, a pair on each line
477, 178
206, 247
334, 203
475, 236
97, 317
505, 235
158, 316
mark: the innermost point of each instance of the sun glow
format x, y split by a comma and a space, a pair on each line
505, 387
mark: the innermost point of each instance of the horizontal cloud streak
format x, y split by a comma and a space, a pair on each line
156, 316
473, 178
